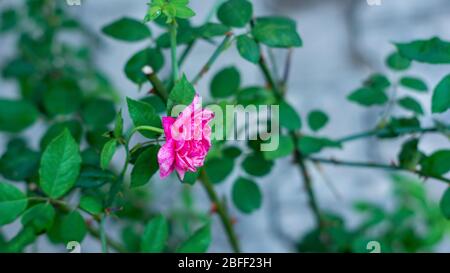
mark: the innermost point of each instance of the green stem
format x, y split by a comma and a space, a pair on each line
148, 128
269, 78
221, 211
219, 50
386, 131
173, 51
158, 86
373, 165
103, 235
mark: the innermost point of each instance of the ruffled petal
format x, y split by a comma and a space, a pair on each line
166, 158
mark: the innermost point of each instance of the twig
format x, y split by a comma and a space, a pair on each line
221, 211
158, 86
374, 165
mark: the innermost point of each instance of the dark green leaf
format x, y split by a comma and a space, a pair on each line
156, 102
377, 81
411, 104
91, 204
255, 164
437, 164
190, 177
62, 97
40, 217
118, 125
16, 115
310, 145
60, 165
368, 97
218, 169
225, 83
277, 32
235, 13
146, 57
210, 30
445, 204
12, 203
433, 51
441, 96
289, 118
409, 155
284, 148
397, 62
248, 48
72, 227
198, 243
127, 29
182, 94
143, 114
247, 196
155, 235
19, 162
232, 152
93, 177
56, 129
145, 167
255, 96
317, 120
98, 112
414, 84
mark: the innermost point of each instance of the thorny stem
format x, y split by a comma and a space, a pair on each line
221, 48
158, 86
374, 165
221, 211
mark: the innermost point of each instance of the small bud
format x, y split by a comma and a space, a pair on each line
147, 70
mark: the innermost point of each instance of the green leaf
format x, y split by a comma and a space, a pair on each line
155, 235
39, 217
437, 164
414, 83
60, 166
93, 177
235, 13
410, 155
91, 204
248, 48
255, 164
397, 62
317, 120
72, 227
16, 115
63, 97
289, 118
218, 169
309, 145
118, 128
12, 203
441, 96
8, 20
145, 167
432, 51
146, 57
58, 128
445, 204
98, 112
190, 177
285, 148
199, 242
247, 196
232, 152
182, 94
211, 30
156, 102
226, 83
368, 96
127, 29
19, 162
277, 32
107, 154
143, 114
411, 104
255, 96
377, 81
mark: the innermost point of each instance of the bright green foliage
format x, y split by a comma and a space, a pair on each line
171, 9
199, 241
143, 114
211, 30
441, 96
433, 51
145, 166
248, 48
60, 165
16, 115
397, 62
91, 204
127, 29
12, 203
317, 120
247, 196
72, 227
277, 32
235, 13
437, 164
107, 154
411, 104
155, 235
289, 118
226, 83
182, 94
368, 96
39, 217
414, 83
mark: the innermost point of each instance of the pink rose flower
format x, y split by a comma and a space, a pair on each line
188, 140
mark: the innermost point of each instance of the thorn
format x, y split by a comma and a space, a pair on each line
233, 220
213, 208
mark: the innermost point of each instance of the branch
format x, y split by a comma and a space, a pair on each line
373, 165
220, 49
158, 86
224, 217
